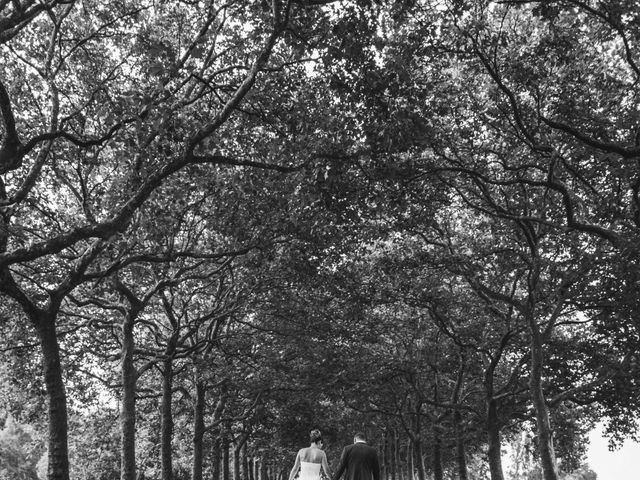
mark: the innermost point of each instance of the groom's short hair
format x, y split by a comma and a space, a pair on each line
360, 436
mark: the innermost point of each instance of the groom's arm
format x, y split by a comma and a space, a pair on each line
343, 464
376, 467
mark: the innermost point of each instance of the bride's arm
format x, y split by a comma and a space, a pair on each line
296, 467
325, 466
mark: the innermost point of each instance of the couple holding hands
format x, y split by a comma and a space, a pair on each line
357, 462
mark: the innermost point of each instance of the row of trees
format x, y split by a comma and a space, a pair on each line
224, 223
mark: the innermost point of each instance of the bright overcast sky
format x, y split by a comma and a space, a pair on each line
623, 464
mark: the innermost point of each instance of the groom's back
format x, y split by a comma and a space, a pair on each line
362, 462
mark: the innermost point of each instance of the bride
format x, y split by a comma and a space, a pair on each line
310, 460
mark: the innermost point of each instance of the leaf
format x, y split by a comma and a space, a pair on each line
156, 68
197, 52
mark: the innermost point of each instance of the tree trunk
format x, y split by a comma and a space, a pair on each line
410, 463
417, 448
250, 468
493, 441
245, 464
225, 458
58, 457
236, 462
215, 461
166, 427
128, 407
392, 456
460, 446
383, 456
198, 430
397, 461
263, 470
437, 454
238, 456
545, 436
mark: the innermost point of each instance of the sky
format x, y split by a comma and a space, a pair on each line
623, 464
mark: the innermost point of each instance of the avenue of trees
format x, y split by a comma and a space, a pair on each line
224, 223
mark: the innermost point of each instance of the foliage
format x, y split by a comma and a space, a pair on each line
337, 214
20, 451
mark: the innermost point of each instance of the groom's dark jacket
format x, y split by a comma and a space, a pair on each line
358, 462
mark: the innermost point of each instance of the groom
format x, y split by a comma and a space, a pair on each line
360, 461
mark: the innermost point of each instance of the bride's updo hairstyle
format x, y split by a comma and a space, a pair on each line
315, 436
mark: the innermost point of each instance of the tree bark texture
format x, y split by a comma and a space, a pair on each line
166, 432
198, 431
383, 456
493, 440
215, 459
58, 456
245, 463
392, 457
236, 463
437, 454
238, 457
543, 422
128, 405
256, 469
410, 463
226, 473
460, 446
417, 448
396, 453
250, 469
264, 474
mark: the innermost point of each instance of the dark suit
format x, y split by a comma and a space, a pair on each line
358, 462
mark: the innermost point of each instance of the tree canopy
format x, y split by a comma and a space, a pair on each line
223, 224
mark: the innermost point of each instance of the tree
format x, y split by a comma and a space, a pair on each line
468, 89
115, 130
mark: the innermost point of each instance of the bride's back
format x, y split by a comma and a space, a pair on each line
311, 455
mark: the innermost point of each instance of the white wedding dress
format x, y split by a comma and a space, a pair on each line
311, 464
309, 471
